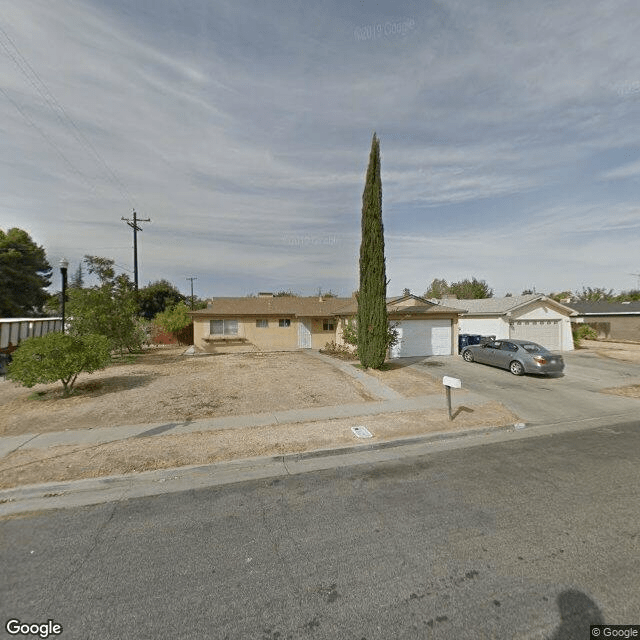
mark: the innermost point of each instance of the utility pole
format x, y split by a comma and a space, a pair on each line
134, 225
192, 279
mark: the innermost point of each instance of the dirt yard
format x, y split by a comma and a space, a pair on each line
626, 351
162, 385
32, 466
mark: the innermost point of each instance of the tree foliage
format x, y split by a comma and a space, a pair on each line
372, 299
174, 319
156, 297
595, 294
24, 274
77, 279
464, 289
350, 334
58, 356
438, 288
109, 309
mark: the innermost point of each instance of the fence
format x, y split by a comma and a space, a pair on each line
14, 330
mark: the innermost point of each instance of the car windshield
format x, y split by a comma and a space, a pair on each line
533, 348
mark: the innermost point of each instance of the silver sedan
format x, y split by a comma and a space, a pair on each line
518, 356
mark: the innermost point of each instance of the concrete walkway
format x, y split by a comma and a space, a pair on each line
371, 384
88, 436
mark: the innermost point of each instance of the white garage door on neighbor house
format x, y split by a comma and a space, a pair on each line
423, 338
544, 332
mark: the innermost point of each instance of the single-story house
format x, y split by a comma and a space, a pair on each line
612, 320
283, 323
532, 317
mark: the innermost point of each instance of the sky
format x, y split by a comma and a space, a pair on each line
510, 145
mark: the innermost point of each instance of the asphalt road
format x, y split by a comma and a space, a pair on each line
574, 395
529, 538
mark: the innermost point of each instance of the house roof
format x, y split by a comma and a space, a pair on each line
420, 309
308, 306
603, 308
500, 306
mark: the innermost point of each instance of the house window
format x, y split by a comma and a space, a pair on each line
262, 324
223, 327
328, 325
284, 322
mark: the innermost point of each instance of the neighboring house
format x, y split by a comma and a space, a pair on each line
532, 317
284, 323
612, 320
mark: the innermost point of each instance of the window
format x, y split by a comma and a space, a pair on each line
508, 346
284, 322
328, 325
223, 327
262, 324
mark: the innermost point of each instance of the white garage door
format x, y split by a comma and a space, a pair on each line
423, 338
544, 332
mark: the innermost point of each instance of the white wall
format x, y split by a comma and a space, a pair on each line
491, 326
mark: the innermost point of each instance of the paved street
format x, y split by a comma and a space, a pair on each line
575, 395
528, 538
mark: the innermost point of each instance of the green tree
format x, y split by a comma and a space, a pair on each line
58, 356
594, 294
24, 275
285, 294
156, 297
109, 309
437, 289
372, 299
174, 319
77, 279
470, 289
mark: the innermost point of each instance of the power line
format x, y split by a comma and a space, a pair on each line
65, 119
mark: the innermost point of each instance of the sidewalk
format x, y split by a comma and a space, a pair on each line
91, 491
9, 444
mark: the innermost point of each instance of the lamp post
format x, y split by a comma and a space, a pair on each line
64, 265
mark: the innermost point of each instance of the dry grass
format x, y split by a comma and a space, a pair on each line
162, 385
159, 452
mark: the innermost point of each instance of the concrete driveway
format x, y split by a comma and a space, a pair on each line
574, 395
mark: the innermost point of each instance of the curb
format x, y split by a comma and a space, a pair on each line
93, 491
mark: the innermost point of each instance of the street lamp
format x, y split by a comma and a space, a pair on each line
64, 265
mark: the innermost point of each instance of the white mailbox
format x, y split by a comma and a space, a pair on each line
452, 382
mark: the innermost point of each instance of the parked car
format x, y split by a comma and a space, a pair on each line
518, 356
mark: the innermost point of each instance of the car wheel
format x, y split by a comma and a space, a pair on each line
516, 368
468, 356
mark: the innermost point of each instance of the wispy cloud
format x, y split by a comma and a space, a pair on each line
244, 132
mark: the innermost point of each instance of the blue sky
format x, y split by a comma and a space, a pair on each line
509, 138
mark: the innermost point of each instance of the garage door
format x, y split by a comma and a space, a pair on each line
544, 332
423, 338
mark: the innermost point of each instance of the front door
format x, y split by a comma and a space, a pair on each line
304, 334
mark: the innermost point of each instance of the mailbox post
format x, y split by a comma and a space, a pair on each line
450, 383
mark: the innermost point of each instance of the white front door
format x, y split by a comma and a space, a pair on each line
304, 334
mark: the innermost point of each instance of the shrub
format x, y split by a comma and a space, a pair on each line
583, 332
340, 350
173, 319
57, 356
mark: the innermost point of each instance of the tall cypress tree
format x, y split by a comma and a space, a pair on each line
372, 297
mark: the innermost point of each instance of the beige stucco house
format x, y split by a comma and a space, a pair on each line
285, 323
